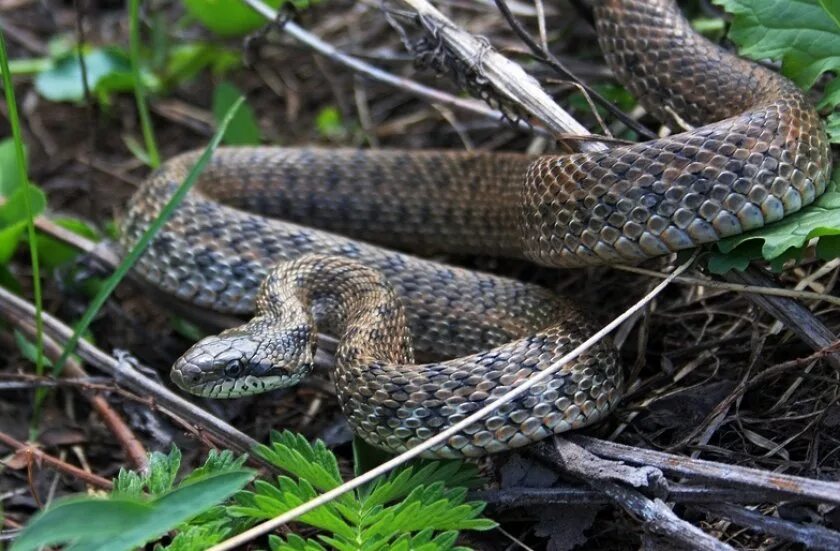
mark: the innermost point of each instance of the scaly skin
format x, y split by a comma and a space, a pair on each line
763, 155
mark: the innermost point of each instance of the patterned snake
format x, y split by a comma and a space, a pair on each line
766, 156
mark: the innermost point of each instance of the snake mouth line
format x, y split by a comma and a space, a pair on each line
228, 387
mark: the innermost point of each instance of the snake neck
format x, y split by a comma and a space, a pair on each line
765, 157
341, 297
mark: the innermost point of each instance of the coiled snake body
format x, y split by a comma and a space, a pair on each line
766, 156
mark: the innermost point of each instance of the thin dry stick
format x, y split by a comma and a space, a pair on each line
12, 307
441, 437
726, 475
134, 450
54, 462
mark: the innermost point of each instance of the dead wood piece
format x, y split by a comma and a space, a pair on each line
654, 514
811, 536
721, 474
578, 495
587, 466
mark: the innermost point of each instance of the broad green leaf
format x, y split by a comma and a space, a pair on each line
118, 524
108, 70
804, 34
9, 173
228, 17
819, 220
243, 128
187, 60
9, 281
13, 219
14, 209
54, 253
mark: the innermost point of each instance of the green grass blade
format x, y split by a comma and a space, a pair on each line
139, 89
14, 121
138, 249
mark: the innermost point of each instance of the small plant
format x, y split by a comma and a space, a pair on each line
421, 506
143, 507
418, 507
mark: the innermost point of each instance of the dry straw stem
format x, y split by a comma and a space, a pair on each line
440, 438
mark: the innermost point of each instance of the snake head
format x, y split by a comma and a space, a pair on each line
246, 360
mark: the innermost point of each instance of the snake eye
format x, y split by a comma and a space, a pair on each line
233, 369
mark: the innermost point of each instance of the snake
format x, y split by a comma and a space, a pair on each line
313, 240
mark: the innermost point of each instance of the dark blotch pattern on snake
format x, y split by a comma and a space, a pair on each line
765, 157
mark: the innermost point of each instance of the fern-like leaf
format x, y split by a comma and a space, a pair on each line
417, 507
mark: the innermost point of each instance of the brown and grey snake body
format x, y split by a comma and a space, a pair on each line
766, 156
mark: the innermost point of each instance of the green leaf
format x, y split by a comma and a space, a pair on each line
9, 173
198, 538
832, 126
14, 218
108, 70
27, 348
54, 253
9, 281
14, 210
804, 34
187, 60
228, 17
329, 123
163, 468
125, 523
243, 128
820, 219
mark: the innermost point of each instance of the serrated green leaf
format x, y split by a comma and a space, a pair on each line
129, 484
163, 468
293, 542
832, 126
197, 538
804, 34
820, 219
